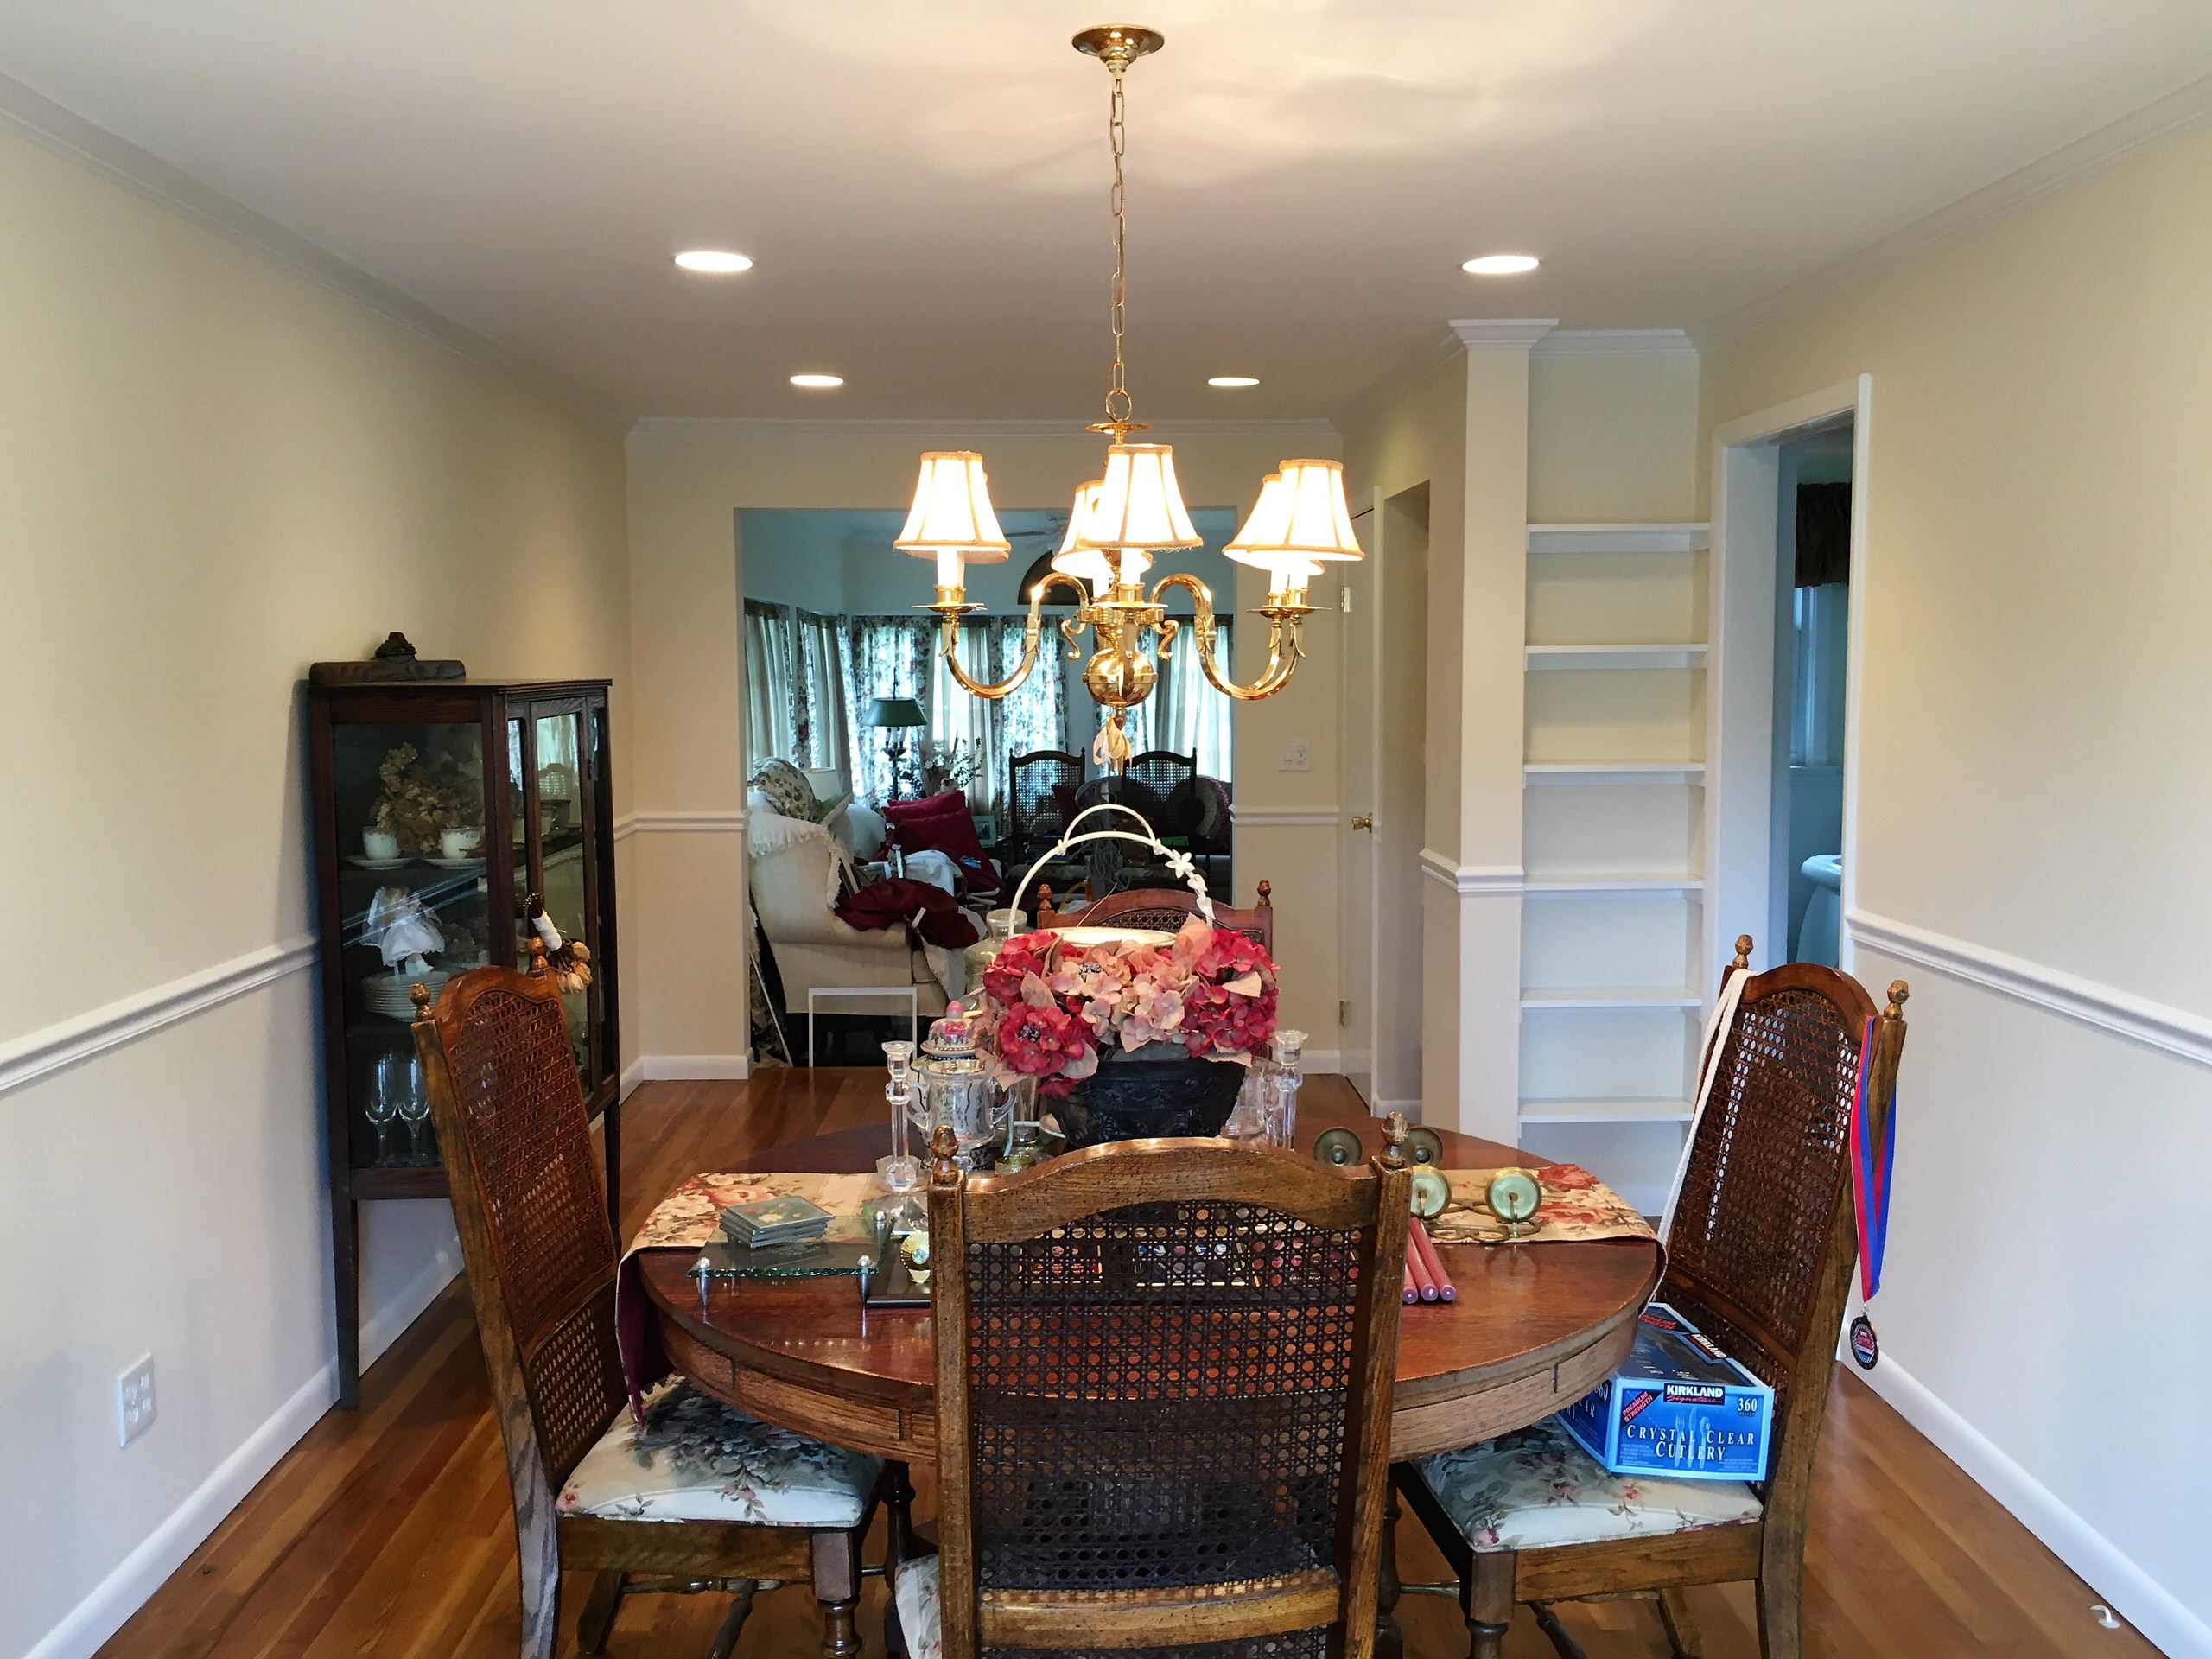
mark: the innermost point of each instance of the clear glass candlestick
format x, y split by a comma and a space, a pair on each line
1279, 1085
901, 1172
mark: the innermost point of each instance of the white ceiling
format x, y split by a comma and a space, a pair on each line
923, 186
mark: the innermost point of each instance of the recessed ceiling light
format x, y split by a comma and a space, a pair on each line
1234, 380
817, 382
1501, 264
713, 262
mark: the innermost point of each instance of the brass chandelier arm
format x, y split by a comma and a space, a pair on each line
1284, 623
951, 610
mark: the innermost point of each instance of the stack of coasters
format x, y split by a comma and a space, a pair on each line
1679, 1407
765, 1223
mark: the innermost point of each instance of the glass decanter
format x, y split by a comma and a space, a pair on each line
1281, 1074
1003, 925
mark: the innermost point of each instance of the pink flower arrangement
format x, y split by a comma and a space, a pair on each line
1051, 1007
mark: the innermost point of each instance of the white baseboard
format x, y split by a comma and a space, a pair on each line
1330, 1061
102, 1613
695, 1068
2123, 1586
632, 1075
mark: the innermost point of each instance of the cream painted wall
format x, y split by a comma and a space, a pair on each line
211, 472
2034, 784
1613, 437
688, 481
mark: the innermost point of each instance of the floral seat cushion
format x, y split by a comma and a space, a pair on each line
697, 1459
1536, 1488
914, 1592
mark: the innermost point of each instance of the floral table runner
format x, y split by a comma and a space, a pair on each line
1577, 1207
691, 1217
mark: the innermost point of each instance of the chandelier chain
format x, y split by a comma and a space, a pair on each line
1118, 404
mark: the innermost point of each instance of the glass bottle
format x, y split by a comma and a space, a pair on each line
1003, 925
1279, 1081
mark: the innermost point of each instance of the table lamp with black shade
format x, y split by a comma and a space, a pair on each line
895, 715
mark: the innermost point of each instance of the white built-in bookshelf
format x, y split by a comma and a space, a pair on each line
1612, 847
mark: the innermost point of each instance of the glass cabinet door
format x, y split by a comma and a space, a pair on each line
415, 909
552, 756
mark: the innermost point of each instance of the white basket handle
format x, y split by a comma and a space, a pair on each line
1180, 863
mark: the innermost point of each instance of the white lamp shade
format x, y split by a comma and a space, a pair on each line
1260, 542
1139, 505
1300, 515
1092, 564
952, 511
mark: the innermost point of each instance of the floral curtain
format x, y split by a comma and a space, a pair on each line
882, 656
770, 726
1184, 713
1032, 717
794, 688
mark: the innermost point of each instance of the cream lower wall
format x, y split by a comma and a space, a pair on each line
213, 472
2033, 782
686, 915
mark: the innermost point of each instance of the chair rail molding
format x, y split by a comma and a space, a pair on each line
1466, 878
37, 1054
1286, 818
678, 824
2106, 1007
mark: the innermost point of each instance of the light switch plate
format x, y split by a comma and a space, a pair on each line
1296, 758
134, 1402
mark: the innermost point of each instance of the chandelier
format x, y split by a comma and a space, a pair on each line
1121, 519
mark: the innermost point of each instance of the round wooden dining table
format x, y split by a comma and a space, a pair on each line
1536, 1326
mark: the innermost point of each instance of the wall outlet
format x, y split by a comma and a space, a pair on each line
1295, 758
134, 1402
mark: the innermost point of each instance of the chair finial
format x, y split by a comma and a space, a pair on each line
945, 1148
1267, 895
420, 996
1898, 992
1742, 962
1393, 1155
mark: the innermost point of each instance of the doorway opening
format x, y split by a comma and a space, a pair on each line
1811, 644
1784, 670
1382, 737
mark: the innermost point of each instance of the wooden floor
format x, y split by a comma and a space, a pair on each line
388, 1531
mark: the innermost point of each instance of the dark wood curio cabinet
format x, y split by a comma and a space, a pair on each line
442, 806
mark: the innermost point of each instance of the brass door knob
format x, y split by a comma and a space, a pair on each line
1363, 821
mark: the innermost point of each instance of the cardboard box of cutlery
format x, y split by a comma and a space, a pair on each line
1679, 1407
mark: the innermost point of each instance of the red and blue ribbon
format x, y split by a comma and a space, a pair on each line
1874, 1150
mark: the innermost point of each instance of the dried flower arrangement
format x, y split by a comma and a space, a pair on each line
1050, 1008
930, 767
419, 801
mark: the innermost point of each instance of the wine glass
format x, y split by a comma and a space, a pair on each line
415, 1107
381, 1103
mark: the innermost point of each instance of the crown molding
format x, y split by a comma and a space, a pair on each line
62, 131
948, 429
1501, 333
2187, 106
1617, 342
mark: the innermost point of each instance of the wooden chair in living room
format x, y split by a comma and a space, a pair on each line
592, 1488
1760, 1255
1165, 909
1164, 1381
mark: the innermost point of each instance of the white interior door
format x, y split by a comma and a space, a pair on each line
1359, 750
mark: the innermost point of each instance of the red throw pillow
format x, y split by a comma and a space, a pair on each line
941, 823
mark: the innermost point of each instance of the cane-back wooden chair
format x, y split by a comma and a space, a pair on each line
1166, 909
1760, 1255
1031, 778
1164, 1376
593, 1489
1160, 770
